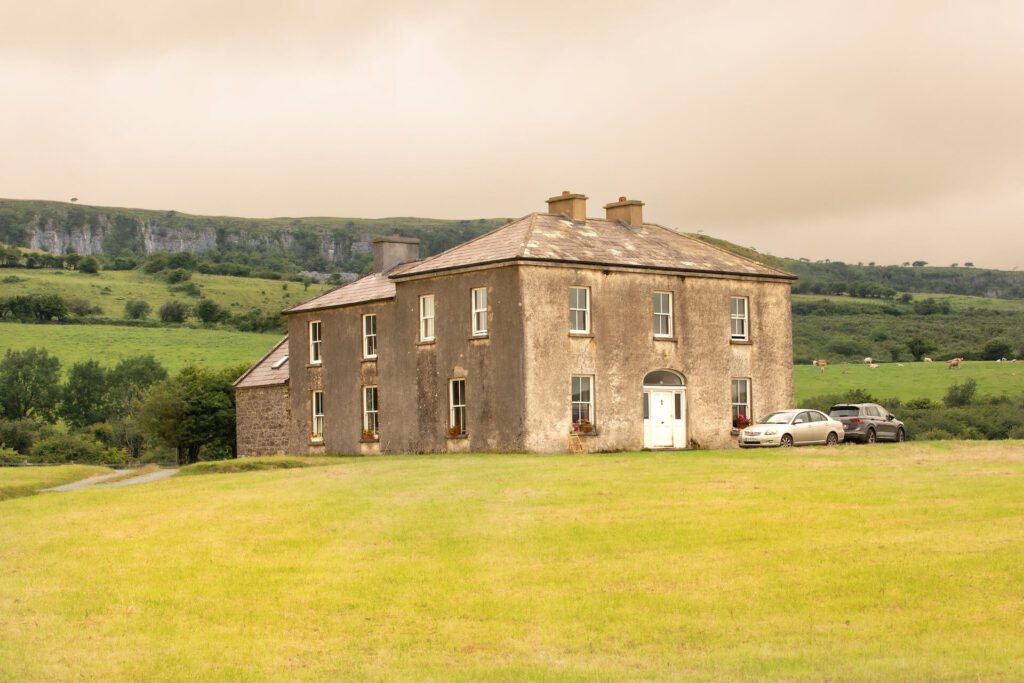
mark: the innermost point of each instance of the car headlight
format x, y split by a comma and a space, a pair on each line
770, 432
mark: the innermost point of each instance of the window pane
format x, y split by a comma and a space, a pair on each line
679, 406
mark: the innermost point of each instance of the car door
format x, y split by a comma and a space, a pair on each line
820, 422
877, 419
886, 426
802, 428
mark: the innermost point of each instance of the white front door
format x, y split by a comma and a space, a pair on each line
662, 419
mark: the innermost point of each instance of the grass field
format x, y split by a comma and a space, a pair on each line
112, 288
892, 563
912, 380
174, 347
24, 481
957, 302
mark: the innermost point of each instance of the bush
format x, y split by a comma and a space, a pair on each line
176, 275
89, 265
79, 448
209, 312
961, 394
996, 349
9, 456
22, 434
173, 311
136, 309
81, 307
188, 289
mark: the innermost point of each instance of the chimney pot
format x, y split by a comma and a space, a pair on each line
572, 205
629, 211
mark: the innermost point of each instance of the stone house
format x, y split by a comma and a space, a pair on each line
628, 334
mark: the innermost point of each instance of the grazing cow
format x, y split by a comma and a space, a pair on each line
954, 363
821, 363
927, 360
873, 366
869, 360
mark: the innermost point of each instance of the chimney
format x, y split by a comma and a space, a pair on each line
572, 205
629, 211
389, 251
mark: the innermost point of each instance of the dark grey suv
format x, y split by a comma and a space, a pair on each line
868, 422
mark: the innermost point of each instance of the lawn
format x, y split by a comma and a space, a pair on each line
24, 481
890, 563
906, 381
174, 347
110, 289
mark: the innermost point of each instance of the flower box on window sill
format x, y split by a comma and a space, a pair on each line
592, 432
372, 438
583, 428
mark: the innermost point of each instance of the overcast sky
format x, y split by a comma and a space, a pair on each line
859, 131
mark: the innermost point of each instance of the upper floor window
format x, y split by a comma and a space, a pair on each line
582, 399
740, 401
369, 336
457, 407
479, 311
314, 342
579, 309
427, 317
738, 314
371, 419
318, 415
663, 314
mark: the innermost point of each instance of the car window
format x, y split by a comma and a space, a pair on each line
776, 419
805, 417
818, 417
872, 411
844, 411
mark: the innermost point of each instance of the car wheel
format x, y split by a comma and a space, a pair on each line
786, 441
870, 437
832, 439
901, 435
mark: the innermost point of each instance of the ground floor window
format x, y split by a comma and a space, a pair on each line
457, 407
582, 400
371, 419
318, 415
741, 402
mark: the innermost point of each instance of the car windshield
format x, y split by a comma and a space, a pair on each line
844, 411
776, 419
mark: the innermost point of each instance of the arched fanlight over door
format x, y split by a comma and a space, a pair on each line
663, 378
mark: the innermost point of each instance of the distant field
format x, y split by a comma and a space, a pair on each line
892, 563
174, 347
111, 289
912, 380
958, 302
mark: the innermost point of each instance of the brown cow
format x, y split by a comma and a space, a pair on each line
821, 363
954, 363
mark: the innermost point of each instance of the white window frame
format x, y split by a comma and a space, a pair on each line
457, 406
370, 336
745, 407
478, 306
577, 415
371, 410
317, 410
662, 315
316, 330
585, 311
743, 318
427, 318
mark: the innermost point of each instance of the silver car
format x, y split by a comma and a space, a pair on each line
798, 427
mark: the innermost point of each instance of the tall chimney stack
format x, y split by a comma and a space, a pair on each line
572, 205
629, 211
389, 251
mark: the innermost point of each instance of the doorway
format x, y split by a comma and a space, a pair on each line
664, 395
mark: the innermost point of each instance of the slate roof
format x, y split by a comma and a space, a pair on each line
557, 238
263, 373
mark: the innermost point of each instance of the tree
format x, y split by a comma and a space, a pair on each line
961, 394
84, 399
89, 265
209, 312
918, 347
920, 264
136, 309
996, 349
29, 384
192, 411
127, 383
173, 311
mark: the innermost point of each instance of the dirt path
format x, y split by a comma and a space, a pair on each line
87, 482
97, 481
141, 479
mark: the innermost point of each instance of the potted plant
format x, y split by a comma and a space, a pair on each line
741, 421
582, 427
369, 435
455, 430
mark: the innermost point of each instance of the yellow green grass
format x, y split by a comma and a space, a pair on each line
111, 289
24, 481
907, 380
174, 347
899, 562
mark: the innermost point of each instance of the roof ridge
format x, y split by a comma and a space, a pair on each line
721, 249
468, 242
258, 363
527, 235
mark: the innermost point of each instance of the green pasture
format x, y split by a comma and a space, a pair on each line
907, 380
890, 563
958, 302
24, 481
111, 289
174, 347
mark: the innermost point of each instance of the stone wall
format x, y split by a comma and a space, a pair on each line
263, 420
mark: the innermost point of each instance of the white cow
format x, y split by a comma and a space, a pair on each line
927, 360
869, 360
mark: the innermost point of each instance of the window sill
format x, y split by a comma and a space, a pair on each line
376, 439
314, 365
590, 433
457, 436
741, 342
369, 360
666, 339
426, 342
586, 335
477, 337
316, 442
734, 431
